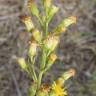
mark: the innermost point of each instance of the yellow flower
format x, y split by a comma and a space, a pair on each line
28, 22
59, 91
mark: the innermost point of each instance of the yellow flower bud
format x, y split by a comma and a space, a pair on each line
65, 76
64, 24
22, 63
32, 49
32, 6
36, 35
51, 42
47, 3
69, 21
52, 11
52, 58
28, 22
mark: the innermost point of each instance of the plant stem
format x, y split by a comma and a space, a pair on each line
30, 72
43, 62
40, 79
46, 29
34, 74
33, 69
43, 59
44, 54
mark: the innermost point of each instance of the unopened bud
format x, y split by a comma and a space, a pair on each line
65, 76
64, 24
32, 6
22, 63
51, 59
47, 3
36, 35
69, 21
53, 10
32, 49
28, 22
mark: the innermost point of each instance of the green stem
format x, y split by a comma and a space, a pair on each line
46, 29
40, 79
33, 69
43, 59
40, 21
34, 74
44, 54
43, 62
30, 70
46, 23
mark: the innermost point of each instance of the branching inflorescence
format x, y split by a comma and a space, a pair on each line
47, 42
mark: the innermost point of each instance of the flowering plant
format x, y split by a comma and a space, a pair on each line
47, 42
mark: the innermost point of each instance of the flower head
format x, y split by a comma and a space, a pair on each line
64, 24
32, 48
65, 76
36, 35
45, 87
52, 12
59, 91
52, 58
33, 7
28, 22
47, 3
70, 20
51, 42
22, 63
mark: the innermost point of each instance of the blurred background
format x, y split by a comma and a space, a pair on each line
77, 48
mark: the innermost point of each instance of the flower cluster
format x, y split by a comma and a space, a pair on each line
47, 42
